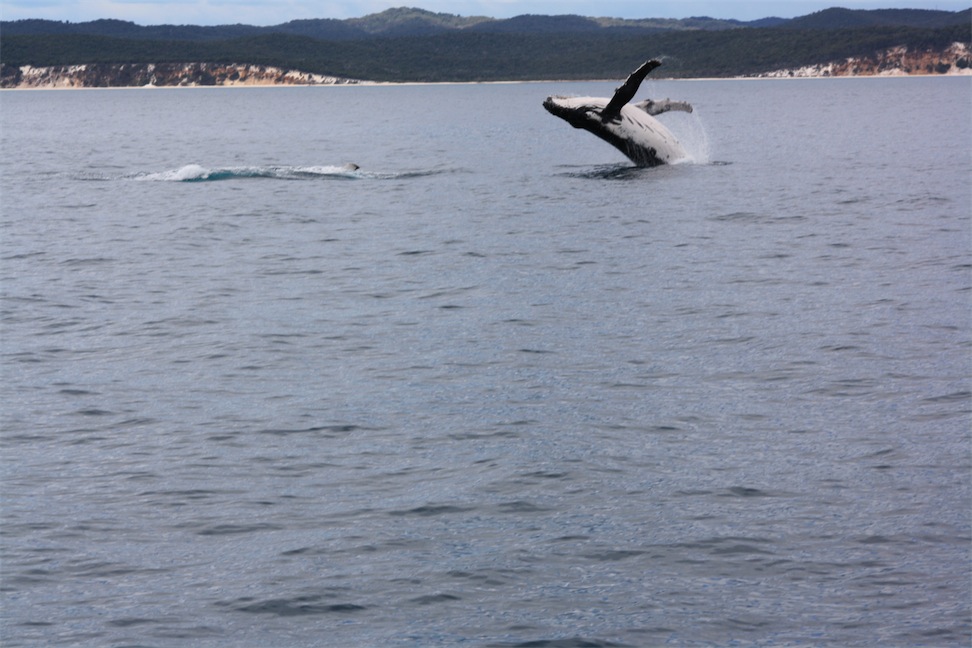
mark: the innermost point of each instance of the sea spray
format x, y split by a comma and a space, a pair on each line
690, 130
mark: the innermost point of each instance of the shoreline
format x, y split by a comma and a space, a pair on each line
367, 84
896, 62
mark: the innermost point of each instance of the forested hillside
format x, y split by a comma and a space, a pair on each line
413, 45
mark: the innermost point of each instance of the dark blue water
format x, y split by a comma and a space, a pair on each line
495, 387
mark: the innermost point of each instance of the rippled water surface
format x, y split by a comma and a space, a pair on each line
495, 387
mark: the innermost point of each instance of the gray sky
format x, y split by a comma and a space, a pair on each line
273, 12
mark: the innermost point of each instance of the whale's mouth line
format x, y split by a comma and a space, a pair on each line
573, 116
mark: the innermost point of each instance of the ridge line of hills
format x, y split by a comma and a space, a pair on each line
407, 21
414, 45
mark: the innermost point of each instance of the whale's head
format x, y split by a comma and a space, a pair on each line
579, 112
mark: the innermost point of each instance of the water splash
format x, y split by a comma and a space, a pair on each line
198, 173
690, 131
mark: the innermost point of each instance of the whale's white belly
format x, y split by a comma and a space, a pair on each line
635, 127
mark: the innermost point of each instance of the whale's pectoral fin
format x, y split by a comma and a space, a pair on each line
663, 105
626, 91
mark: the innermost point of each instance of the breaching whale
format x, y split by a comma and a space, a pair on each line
630, 128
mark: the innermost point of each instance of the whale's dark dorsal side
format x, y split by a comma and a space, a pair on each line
630, 128
627, 91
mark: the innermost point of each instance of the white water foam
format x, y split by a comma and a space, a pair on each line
690, 131
198, 173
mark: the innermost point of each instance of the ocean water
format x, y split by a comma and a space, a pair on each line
495, 387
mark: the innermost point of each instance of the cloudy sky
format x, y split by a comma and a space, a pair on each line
273, 12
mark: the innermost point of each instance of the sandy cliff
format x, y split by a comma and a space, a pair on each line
104, 75
897, 61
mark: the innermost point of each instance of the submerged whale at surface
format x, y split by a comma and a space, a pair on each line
630, 128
